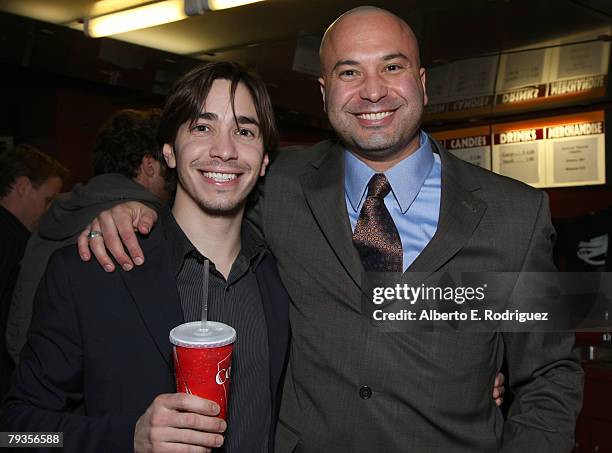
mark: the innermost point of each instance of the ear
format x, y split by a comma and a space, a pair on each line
168, 152
147, 166
322, 88
264, 165
23, 186
423, 77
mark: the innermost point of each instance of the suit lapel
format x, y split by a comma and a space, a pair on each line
460, 214
276, 311
323, 188
153, 288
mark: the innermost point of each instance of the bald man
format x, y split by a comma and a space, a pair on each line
351, 387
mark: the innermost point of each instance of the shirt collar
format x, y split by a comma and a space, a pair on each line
180, 245
253, 245
406, 177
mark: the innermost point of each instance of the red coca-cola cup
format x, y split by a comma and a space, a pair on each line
203, 360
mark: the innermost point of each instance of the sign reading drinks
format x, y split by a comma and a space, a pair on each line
522, 95
552, 152
519, 155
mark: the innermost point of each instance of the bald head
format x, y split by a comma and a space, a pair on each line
362, 24
373, 86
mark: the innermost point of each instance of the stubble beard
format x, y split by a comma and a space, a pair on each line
220, 209
217, 205
378, 146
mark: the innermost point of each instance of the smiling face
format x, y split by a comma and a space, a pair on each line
373, 87
219, 157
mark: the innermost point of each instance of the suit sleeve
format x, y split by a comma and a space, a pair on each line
48, 383
544, 372
33, 267
254, 211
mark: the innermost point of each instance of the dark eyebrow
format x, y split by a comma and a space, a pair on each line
344, 62
393, 56
208, 116
247, 120
240, 120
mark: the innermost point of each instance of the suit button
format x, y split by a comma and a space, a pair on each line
365, 392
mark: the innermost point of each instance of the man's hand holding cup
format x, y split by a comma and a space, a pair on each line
175, 421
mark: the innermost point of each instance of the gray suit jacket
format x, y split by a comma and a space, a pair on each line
430, 391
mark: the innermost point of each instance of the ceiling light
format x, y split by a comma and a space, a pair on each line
223, 4
152, 14
194, 7
145, 16
101, 7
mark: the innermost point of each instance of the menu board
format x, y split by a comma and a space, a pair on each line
576, 150
562, 71
522, 77
580, 66
474, 77
465, 87
470, 144
547, 72
438, 88
521, 69
578, 60
552, 152
518, 152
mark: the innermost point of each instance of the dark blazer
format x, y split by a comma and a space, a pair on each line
102, 340
429, 392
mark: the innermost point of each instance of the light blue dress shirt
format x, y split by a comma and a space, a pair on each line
414, 200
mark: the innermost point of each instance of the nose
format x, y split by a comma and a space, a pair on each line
373, 88
224, 147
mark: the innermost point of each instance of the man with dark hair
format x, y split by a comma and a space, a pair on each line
127, 144
101, 339
29, 180
128, 164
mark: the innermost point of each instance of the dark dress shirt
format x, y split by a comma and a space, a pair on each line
236, 302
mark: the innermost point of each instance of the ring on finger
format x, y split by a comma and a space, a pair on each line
94, 234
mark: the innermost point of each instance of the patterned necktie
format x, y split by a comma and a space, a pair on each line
376, 237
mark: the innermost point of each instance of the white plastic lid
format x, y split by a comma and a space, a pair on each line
192, 335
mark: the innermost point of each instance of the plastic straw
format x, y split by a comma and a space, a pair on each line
205, 295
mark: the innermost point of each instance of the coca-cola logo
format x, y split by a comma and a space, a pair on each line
223, 375
224, 370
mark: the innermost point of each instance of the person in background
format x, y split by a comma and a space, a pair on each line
127, 163
29, 181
